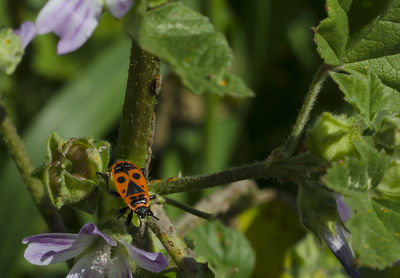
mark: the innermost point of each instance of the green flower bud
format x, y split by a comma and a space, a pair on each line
390, 184
331, 138
69, 172
388, 134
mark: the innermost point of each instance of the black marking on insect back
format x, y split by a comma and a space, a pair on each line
133, 188
121, 179
136, 176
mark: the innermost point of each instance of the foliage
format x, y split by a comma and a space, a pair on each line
217, 50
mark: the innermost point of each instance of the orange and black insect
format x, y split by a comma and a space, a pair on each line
132, 187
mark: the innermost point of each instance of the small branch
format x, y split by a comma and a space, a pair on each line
251, 171
25, 166
188, 209
230, 200
304, 114
140, 97
176, 247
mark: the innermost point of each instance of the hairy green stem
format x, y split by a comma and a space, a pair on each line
173, 243
304, 114
25, 166
251, 171
140, 97
135, 139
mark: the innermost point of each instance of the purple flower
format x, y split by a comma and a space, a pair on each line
27, 31
73, 21
102, 254
337, 243
343, 209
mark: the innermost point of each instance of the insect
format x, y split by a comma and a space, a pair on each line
132, 187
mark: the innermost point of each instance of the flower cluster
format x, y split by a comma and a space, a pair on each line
73, 21
98, 254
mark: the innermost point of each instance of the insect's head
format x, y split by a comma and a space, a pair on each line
142, 212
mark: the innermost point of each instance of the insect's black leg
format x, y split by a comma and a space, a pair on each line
129, 218
143, 171
106, 177
152, 196
121, 212
150, 213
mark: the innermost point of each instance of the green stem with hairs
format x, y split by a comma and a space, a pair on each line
282, 170
25, 166
140, 97
134, 140
304, 114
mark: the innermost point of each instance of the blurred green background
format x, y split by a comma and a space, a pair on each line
81, 94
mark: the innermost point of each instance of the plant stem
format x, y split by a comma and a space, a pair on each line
25, 166
304, 114
173, 243
188, 209
250, 171
135, 138
140, 97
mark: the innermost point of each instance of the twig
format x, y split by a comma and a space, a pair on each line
263, 169
231, 200
176, 247
25, 166
188, 209
304, 114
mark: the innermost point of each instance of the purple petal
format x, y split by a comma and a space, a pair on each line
343, 209
154, 262
47, 249
339, 247
119, 8
91, 229
72, 20
120, 267
27, 31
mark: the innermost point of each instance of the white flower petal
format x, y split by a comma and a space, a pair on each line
72, 20
151, 261
83, 268
119, 8
47, 249
120, 267
27, 31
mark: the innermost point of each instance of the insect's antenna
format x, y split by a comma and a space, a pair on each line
154, 216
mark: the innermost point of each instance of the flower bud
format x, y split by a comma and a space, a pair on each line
69, 172
388, 134
390, 183
331, 138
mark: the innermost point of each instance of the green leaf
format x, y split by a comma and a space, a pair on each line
189, 43
227, 251
375, 224
362, 36
10, 51
367, 94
